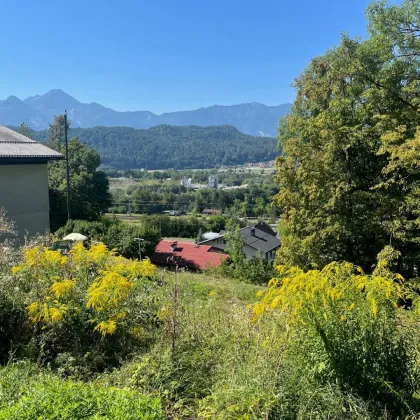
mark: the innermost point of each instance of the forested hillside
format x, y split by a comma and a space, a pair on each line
167, 146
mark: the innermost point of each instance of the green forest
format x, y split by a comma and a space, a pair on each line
168, 146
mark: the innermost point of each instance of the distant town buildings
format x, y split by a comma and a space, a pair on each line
268, 164
212, 182
186, 182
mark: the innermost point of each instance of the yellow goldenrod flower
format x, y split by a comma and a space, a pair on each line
16, 270
106, 327
374, 307
62, 288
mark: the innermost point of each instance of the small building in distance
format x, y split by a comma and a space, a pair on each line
212, 182
211, 212
187, 255
24, 182
186, 182
258, 239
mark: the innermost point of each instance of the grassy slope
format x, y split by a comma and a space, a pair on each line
198, 287
26, 392
209, 359
206, 331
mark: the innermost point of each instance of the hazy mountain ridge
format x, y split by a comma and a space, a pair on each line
38, 111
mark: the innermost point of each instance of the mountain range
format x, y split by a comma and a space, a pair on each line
38, 111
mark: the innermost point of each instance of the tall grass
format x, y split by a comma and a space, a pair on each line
26, 394
215, 360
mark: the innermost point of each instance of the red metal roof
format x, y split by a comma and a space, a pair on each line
187, 255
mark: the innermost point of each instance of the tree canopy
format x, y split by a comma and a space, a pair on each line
90, 196
167, 146
349, 176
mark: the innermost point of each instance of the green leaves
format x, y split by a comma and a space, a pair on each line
89, 187
350, 168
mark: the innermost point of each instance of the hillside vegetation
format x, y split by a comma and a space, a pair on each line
151, 344
167, 146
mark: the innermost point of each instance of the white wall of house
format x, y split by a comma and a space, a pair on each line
24, 195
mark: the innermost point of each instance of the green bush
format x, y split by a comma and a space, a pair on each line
179, 227
13, 327
256, 270
28, 394
115, 234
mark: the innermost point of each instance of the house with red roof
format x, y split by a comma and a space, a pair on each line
187, 255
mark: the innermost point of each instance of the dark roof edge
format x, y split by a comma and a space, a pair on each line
32, 157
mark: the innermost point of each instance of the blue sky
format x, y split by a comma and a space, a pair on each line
167, 55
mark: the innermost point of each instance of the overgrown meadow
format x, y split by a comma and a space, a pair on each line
91, 334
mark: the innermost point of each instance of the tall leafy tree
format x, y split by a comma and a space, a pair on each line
25, 130
55, 137
349, 174
90, 196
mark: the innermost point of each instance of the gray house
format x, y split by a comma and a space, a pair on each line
257, 239
24, 181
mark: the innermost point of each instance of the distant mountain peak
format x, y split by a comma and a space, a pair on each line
60, 95
55, 92
54, 99
13, 99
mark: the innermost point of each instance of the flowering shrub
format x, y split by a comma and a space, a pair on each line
339, 292
345, 324
87, 294
96, 281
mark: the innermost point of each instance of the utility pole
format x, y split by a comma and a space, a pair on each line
67, 167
